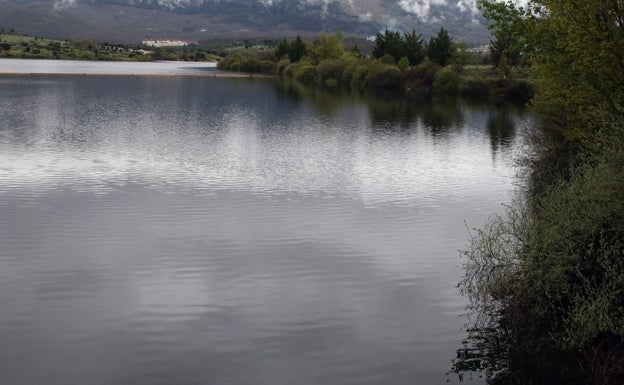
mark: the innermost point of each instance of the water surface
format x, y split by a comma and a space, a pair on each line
175, 230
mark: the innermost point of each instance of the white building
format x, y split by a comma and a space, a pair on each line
165, 43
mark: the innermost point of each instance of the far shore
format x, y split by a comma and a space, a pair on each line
46, 67
217, 75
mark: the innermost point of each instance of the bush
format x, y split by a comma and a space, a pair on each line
419, 79
403, 63
281, 66
387, 59
358, 75
552, 274
305, 73
382, 76
446, 82
474, 88
329, 72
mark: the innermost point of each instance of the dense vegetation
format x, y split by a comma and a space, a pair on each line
546, 280
402, 63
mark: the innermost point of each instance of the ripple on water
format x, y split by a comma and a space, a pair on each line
158, 231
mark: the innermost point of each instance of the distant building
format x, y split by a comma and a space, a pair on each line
480, 49
165, 43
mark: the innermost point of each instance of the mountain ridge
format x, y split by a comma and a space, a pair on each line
193, 20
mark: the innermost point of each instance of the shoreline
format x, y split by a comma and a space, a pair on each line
54, 67
222, 75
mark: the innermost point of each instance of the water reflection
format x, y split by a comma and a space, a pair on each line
173, 230
439, 117
501, 127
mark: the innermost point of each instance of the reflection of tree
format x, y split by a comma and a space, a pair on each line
501, 128
441, 115
388, 110
325, 101
488, 350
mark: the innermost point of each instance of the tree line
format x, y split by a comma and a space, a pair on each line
398, 62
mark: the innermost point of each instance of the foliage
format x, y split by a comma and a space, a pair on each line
446, 82
414, 48
325, 63
330, 72
326, 47
403, 63
251, 63
549, 275
582, 69
474, 88
391, 43
420, 78
305, 73
383, 76
513, 29
297, 49
440, 48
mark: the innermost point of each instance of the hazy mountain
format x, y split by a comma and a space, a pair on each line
134, 20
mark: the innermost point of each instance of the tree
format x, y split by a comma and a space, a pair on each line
297, 49
554, 279
414, 48
581, 65
326, 47
282, 49
513, 30
440, 48
390, 43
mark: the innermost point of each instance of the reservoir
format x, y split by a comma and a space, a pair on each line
214, 230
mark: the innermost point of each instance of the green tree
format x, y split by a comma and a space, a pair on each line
440, 48
326, 47
414, 48
551, 273
391, 43
297, 49
282, 49
513, 29
581, 65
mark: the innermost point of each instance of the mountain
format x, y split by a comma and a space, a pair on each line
131, 21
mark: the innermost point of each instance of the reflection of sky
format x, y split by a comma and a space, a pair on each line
79, 137
43, 66
193, 231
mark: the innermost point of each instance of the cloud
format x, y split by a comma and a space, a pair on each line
365, 17
423, 8
420, 8
171, 4
60, 5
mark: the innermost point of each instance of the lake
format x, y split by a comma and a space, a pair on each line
214, 230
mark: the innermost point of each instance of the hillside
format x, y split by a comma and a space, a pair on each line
193, 20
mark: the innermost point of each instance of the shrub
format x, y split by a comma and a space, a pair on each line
419, 79
474, 88
387, 59
382, 76
305, 73
446, 82
403, 63
359, 74
329, 72
281, 66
